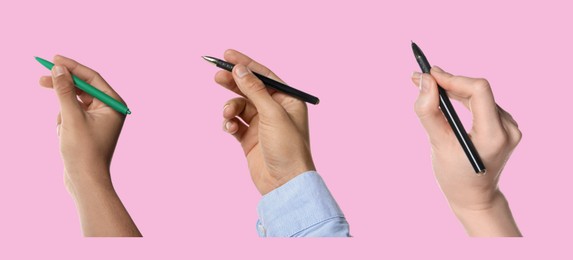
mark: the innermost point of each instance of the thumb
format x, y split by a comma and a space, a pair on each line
66, 92
427, 108
254, 89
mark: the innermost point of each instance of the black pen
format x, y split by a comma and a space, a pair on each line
269, 82
452, 116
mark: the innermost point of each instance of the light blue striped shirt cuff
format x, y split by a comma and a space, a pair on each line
302, 207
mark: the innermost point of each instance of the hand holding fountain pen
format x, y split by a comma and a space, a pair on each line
452, 116
268, 82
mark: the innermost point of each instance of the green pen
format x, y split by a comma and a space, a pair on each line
91, 90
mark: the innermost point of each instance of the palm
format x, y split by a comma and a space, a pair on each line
457, 178
463, 187
254, 153
265, 144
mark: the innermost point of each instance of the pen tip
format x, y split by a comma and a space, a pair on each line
128, 112
209, 59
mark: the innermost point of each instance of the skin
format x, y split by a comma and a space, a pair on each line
476, 200
275, 133
88, 132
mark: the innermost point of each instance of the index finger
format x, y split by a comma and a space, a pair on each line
225, 78
237, 57
88, 75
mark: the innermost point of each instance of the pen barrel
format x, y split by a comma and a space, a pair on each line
424, 64
100, 95
226, 66
288, 90
273, 84
421, 58
460, 131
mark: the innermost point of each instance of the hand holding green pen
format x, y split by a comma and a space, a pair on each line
88, 132
94, 92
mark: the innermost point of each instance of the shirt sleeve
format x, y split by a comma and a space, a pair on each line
302, 207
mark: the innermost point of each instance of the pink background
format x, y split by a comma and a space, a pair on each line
185, 181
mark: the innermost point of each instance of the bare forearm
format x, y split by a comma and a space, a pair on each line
102, 214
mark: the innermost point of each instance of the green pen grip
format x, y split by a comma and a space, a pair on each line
92, 91
103, 97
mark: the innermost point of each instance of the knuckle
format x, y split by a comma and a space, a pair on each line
419, 109
500, 142
517, 135
228, 53
63, 86
513, 132
58, 58
277, 113
254, 84
482, 85
422, 108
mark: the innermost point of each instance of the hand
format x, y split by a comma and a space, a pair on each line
88, 131
476, 200
274, 135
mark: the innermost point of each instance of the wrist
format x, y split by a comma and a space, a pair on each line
493, 219
88, 182
100, 209
285, 178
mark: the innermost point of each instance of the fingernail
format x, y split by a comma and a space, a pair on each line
438, 69
241, 70
228, 126
225, 108
416, 74
424, 85
57, 71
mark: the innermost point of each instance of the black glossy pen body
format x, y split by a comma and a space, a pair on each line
225, 65
288, 90
460, 132
452, 117
421, 59
272, 83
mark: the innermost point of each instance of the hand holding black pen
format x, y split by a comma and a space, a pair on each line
268, 82
273, 127
452, 117
476, 200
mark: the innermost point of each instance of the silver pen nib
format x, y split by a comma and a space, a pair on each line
210, 59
